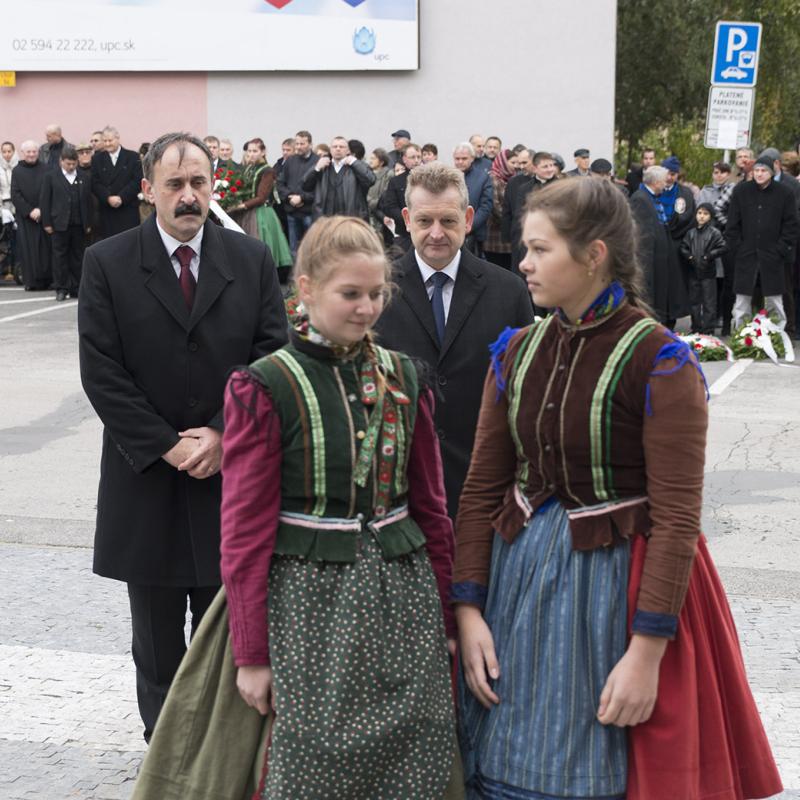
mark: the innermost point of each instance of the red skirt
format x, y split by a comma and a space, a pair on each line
705, 738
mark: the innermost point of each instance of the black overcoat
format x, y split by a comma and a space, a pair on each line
54, 200
486, 299
123, 180
150, 369
761, 233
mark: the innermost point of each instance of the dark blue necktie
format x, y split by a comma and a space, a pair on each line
439, 280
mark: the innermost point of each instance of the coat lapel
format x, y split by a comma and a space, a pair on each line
160, 276
214, 274
414, 293
469, 287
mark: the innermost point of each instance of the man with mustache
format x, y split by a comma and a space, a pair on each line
165, 311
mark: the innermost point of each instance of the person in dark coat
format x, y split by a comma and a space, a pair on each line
665, 289
297, 202
116, 182
55, 144
33, 244
165, 311
67, 219
340, 183
633, 179
394, 198
481, 194
702, 245
449, 308
762, 234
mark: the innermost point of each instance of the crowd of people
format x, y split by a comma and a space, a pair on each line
689, 269
441, 487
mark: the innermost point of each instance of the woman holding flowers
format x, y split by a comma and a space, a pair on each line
256, 214
599, 656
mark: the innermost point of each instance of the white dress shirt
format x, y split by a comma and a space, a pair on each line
70, 176
115, 156
451, 270
172, 244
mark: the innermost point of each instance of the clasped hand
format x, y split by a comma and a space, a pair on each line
199, 452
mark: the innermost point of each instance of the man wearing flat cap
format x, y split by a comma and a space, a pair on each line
762, 235
581, 164
401, 137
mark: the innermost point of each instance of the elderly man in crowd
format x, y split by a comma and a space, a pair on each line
50, 151
33, 245
340, 183
116, 182
762, 234
582, 158
400, 138
481, 194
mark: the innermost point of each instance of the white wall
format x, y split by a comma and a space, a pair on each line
539, 72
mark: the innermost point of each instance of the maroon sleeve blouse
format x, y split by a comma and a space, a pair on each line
251, 497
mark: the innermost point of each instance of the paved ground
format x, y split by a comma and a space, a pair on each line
68, 721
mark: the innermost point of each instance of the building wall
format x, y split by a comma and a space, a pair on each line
539, 72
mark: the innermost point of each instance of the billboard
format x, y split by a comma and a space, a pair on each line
209, 35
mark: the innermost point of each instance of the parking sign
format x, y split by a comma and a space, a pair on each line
736, 47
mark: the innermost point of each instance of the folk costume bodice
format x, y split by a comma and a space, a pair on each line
609, 417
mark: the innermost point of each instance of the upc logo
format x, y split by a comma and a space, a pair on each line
364, 41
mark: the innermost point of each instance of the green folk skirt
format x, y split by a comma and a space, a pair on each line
364, 707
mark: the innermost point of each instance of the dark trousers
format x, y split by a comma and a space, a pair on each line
726, 311
68, 247
703, 301
158, 619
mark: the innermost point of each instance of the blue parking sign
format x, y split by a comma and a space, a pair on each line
736, 47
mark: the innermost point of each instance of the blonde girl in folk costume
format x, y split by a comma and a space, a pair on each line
336, 544
600, 658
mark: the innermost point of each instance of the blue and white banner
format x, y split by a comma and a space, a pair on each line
209, 35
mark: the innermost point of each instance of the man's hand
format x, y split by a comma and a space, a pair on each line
295, 200
255, 686
350, 160
207, 457
115, 201
323, 163
178, 454
48, 229
36, 214
399, 168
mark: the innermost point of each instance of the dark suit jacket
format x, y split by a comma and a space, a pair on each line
54, 200
150, 369
123, 180
513, 204
392, 204
486, 299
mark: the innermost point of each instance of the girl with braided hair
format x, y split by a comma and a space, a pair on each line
336, 544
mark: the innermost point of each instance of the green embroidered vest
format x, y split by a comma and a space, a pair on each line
325, 424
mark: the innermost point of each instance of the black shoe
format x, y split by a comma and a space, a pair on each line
61, 294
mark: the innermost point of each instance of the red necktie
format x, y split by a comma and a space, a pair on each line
184, 254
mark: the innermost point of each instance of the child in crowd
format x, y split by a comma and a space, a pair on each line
702, 245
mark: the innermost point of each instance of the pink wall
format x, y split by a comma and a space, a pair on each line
141, 105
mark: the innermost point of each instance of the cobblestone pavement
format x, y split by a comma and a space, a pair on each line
69, 726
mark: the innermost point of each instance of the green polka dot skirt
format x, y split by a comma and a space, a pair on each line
364, 708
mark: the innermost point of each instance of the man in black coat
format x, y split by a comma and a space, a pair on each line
116, 182
450, 307
340, 183
762, 234
393, 200
297, 202
33, 244
67, 218
165, 311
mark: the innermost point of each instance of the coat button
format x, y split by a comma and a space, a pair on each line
192, 402
352, 398
441, 380
547, 448
360, 434
550, 406
562, 367
193, 346
440, 433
